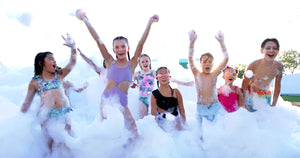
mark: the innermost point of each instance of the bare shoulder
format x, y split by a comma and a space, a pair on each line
34, 83
254, 64
278, 65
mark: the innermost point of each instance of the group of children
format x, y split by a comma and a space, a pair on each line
166, 102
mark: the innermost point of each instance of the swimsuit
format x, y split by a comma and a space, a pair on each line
59, 112
48, 85
208, 111
230, 101
169, 104
118, 75
263, 95
146, 85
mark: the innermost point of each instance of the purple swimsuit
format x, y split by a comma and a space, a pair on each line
118, 75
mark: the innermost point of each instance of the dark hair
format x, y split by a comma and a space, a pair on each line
208, 55
144, 55
39, 62
268, 40
122, 38
160, 68
104, 64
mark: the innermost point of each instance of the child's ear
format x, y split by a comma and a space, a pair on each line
262, 51
223, 77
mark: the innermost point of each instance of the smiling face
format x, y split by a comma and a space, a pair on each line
206, 63
229, 75
121, 48
270, 51
163, 76
145, 63
49, 63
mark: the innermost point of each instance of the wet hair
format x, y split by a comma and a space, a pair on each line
268, 40
208, 55
126, 40
39, 62
160, 68
144, 55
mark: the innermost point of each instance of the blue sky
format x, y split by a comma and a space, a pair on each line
28, 27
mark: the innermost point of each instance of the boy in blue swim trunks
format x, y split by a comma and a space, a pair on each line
260, 73
205, 81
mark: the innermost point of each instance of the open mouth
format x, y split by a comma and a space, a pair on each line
270, 55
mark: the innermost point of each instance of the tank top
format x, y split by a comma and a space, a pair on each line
230, 101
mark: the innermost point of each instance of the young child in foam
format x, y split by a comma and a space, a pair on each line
120, 71
54, 102
260, 74
230, 96
207, 101
145, 82
167, 102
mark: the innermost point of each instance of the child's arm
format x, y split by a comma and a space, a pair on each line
220, 38
153, 105
193, 37
135, 78
78, 90
241, 98
80, 14
90, 62
277, 87
29, 97
190, 83
139, 48
69, 42
180, 106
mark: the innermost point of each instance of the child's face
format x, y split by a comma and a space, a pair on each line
49, 63
163, 76
206, 63
270, 50
121, 48
144, 63
229, 75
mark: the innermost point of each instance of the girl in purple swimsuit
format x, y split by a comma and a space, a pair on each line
119, 71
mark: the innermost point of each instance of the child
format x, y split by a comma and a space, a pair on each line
230, 96
205, 81
120, 71
49, 85
166, 102
145, 79
264, 71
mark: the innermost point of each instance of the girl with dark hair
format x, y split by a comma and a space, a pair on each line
119, 71
48, 83
166, 102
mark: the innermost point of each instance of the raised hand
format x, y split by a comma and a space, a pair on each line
193, 36
220, 37
154, 18
80, 14
69, 42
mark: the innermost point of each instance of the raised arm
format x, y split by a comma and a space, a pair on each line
90, 62
277, 87
81, 15
193, 37
220, 38
139, 48
29, 97
69, 42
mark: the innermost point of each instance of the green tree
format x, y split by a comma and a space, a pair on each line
241, 69
290, 60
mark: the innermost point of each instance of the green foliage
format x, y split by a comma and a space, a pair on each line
241, 69
290, 60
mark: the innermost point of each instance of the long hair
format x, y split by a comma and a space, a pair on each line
39, 62
126, 40
144, 55
160, 68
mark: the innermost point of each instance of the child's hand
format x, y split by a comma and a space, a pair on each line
69, 41
133, 85
220, 37
154, 18
80, 14
193, 36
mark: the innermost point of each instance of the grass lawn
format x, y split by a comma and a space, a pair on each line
291, 98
